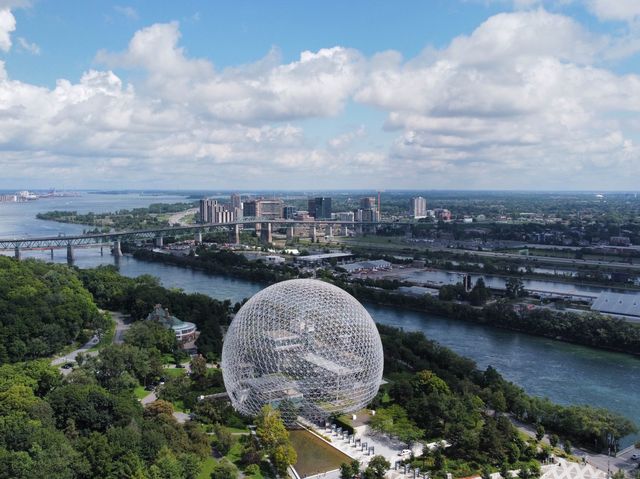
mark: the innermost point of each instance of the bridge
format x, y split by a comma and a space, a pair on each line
115, 239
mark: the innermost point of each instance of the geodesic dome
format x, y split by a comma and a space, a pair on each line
304, 346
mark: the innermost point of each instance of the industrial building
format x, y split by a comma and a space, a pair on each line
621, 304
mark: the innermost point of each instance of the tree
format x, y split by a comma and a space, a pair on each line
504, 471
223, 439
539, 432
567, 446
524, 472
199, 369
274, 438
515, 288
554, 440
349, 470
224, 470
486, 473
377, 468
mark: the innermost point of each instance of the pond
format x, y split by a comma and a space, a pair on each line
314, 455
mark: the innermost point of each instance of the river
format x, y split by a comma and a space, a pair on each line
565, 373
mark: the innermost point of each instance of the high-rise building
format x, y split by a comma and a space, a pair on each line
322, 208
266, 209
368, 203
288, 212
311, 206
236, 206
368, 211
418, 207
213, 212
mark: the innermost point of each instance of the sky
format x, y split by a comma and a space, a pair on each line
424, 94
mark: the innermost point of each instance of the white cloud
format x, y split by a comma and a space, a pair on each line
27, 46
520, 95
345, 140
621, 10
7, 25
522, 101
318, 84
126, 11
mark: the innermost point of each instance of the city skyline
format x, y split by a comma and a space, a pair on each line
524, 95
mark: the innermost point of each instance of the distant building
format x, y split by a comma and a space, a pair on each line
288, 212
368, 203
372, 265
418, 207
236, 206
216, 213
368, 211
185, 332
322, 208
617, 303
266, 209
442, 214
8, 198
311, 206
343, 216
273, 259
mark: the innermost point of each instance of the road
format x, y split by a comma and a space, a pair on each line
121, 327
178, 218
118, 338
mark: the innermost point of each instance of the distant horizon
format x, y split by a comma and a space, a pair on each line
303, 191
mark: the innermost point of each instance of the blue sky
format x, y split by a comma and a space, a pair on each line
359, 94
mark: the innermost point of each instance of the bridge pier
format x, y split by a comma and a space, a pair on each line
234, 235
314, 234
51, 253
346, 230
101, 251
265, 233
159, 241
329, 231
17, 252
70, 256
117, 250
290, 233
197, 237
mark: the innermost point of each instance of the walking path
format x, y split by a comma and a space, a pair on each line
602, 462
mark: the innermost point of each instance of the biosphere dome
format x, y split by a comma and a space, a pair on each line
304, 346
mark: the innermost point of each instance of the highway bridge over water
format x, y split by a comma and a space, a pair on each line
114, 239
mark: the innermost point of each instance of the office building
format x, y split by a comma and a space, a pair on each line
264, 209
322, 208
418, 207
288, 212
344, 216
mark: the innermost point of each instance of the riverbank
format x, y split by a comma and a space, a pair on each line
593, 330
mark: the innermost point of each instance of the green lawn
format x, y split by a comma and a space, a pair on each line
207, 468
141, 392
174, 372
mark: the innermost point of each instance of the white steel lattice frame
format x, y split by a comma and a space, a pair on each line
304, 346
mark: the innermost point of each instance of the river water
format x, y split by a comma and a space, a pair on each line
565, 373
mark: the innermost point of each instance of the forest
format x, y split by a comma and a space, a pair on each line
43, 308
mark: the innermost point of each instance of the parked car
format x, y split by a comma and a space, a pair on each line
405, 452
67, 365
635, 457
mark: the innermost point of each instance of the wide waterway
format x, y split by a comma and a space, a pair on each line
565, 373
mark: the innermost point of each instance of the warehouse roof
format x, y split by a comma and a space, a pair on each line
617, 303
